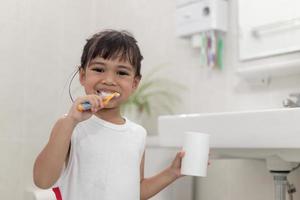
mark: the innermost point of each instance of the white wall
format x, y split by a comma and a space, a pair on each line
157, 159
41, 42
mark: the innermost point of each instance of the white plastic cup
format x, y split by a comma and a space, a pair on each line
195, 160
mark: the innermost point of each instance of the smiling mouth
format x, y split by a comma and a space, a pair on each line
108, 94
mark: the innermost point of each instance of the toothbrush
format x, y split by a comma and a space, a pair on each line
107, 97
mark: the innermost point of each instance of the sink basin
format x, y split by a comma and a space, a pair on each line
245, 134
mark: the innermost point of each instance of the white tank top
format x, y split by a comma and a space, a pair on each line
104, 162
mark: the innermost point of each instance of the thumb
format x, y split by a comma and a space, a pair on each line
181, 154
179, 157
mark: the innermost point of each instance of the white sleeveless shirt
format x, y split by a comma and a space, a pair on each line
104, 162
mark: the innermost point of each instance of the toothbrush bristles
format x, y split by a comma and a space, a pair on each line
109, 97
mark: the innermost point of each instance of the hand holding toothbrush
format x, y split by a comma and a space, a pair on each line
106, 98
84, 107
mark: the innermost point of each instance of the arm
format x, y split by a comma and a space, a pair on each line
153, 185
49, 163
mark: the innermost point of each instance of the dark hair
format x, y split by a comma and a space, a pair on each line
111, 44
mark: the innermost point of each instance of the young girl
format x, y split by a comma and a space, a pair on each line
97, 153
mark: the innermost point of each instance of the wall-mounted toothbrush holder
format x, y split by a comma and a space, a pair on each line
204, 23
198, 16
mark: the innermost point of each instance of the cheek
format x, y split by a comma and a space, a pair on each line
128, 84
127, 91
89, 84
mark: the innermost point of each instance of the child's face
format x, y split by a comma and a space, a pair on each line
109, 76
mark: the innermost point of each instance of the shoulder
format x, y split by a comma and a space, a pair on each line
136, 127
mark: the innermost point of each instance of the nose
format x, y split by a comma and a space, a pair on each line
109, 79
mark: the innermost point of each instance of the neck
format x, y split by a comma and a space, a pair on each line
112, 115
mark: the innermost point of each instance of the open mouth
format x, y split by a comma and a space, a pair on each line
107, 95
104, 94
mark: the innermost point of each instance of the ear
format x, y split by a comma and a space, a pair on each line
136, 82
81, 76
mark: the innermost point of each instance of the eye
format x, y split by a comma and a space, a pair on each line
123, 73
98, 69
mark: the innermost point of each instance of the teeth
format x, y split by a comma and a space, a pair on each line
106, 94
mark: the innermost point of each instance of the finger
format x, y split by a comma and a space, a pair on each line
97, 103
94, 103
100, 101
81, 100
182, 153
178, 155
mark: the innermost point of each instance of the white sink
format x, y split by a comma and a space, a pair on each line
245, 134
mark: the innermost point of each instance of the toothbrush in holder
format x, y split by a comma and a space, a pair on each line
87, 106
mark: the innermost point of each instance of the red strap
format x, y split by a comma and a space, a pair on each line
57, 193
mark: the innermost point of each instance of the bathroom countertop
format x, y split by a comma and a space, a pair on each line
152, 141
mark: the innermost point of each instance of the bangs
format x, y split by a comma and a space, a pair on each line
115, 50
